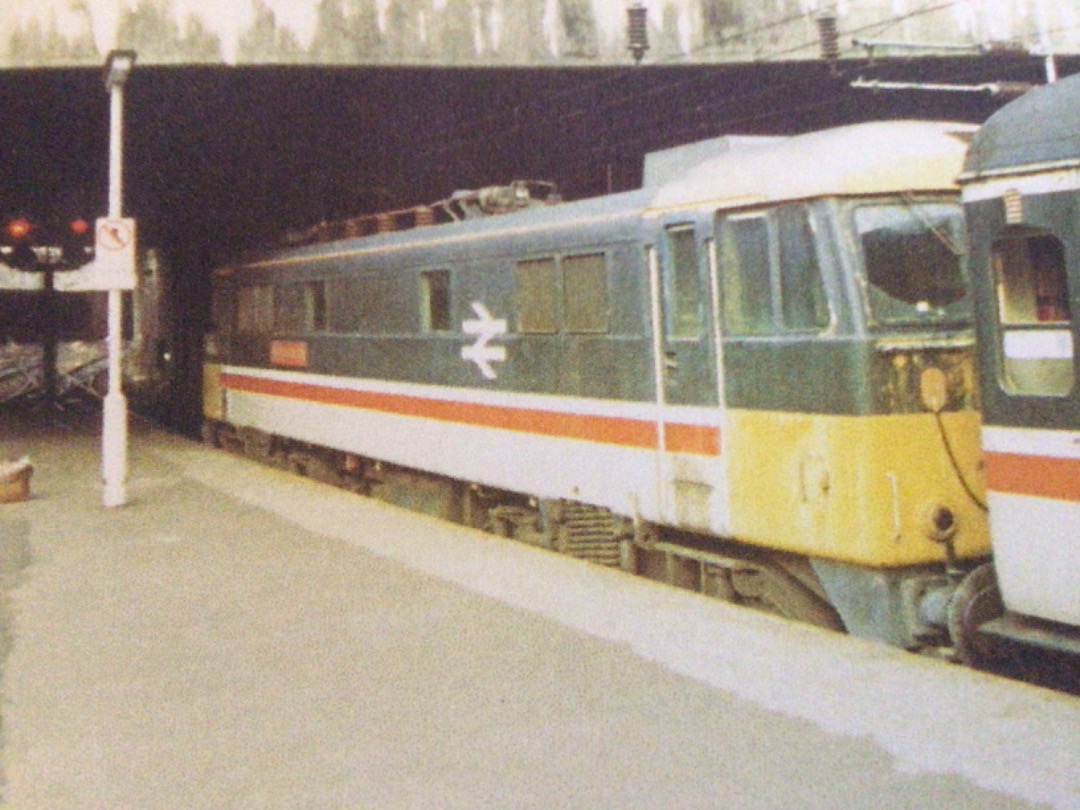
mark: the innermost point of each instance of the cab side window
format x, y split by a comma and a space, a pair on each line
682, 285
744, 267
802, 293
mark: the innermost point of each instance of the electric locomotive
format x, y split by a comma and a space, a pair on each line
752, 377
1021, 189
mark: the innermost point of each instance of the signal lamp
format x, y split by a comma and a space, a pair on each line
18, 252
77, 243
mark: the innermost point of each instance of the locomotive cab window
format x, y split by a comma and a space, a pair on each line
1034, 314
770, 273
913, 261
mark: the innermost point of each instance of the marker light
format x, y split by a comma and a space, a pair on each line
18, 229
79, 226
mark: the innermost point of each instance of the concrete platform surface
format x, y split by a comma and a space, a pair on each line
236, 637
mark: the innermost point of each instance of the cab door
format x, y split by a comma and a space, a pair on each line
688, 407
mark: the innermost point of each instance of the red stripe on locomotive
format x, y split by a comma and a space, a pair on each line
680, 438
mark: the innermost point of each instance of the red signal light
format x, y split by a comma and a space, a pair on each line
19, 228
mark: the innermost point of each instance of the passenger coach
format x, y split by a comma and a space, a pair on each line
1021, 188
752, 377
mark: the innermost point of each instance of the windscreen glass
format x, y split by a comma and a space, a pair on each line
913, 261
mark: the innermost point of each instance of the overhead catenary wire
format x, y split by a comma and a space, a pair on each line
608, 96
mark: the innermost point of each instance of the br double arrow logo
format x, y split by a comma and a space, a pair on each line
485, 327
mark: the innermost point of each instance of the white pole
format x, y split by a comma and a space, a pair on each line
114, 415
1045, 45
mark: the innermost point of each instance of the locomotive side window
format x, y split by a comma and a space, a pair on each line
315, 306
255, 309
223, 310
300, 307
569, 295
682, 286
1034, 314
585, 293
435, 301
342, 315
288, 308
537, 296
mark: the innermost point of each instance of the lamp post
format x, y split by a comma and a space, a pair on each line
114, 429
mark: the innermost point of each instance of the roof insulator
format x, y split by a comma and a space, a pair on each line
637, 30
829, 35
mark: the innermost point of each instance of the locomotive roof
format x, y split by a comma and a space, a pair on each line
872, 158
1039, 129
868, 158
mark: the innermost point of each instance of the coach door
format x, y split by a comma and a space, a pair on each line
688, 412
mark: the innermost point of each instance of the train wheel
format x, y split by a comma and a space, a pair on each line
976, 601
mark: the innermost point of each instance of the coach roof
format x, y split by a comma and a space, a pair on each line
1038, 130
871, 158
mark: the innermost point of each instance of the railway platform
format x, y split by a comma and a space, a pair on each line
236, 637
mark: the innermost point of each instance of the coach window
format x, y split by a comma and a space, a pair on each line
585, 294
746, 277
682, 285
537, 301
1034, 314
255, 309
435, 300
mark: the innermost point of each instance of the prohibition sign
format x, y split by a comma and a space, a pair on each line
115, 234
